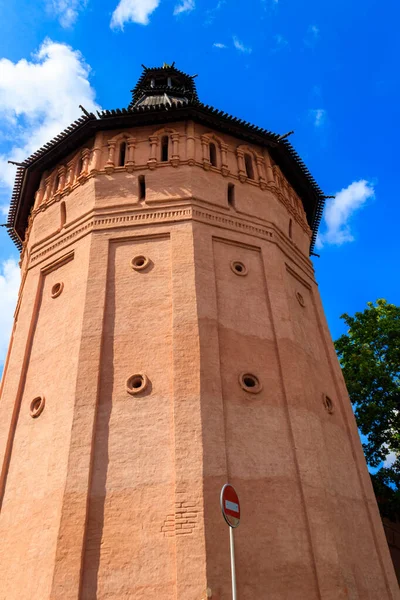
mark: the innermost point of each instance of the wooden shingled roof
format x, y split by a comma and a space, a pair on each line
186, 82
188, 107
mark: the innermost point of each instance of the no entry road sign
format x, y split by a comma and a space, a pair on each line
230, 505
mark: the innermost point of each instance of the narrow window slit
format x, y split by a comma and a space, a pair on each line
249, 166
164, 148
290, 228
213, 155
63, 214
122, 154
79, 166
56, 183
142, 187
231, 195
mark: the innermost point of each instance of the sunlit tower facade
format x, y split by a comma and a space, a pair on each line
169, 337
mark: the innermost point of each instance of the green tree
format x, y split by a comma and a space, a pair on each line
369, 354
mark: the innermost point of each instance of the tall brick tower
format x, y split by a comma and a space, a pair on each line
168, 338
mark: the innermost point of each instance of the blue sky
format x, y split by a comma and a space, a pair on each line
328, 70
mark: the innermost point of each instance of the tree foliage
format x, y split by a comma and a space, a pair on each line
369, 354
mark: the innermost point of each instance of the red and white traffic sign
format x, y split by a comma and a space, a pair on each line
230, 505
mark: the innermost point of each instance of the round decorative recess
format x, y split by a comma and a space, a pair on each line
239, 268
37, 406
328, 403
140, 262
300, 299
250, 383
137, 383
57, 289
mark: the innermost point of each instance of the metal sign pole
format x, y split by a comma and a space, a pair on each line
230, 507
233, 570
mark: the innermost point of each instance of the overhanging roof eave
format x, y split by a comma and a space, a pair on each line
77, 133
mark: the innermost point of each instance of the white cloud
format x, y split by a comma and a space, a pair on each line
38, 99
135, 11
318, 116
219, 45
390, 459
240, 46
340, 209
66, 10
9, 285
184, 6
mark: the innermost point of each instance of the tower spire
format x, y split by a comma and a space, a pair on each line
163, 85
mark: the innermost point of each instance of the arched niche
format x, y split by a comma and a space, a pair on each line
120, 152
250, 165
164, 147
214, 151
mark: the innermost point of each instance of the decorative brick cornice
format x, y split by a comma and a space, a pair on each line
194, 211
283, 192
282, 153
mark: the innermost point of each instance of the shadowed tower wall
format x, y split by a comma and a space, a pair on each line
169, 337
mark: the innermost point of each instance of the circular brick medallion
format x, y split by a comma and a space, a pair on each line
57, 289
328, 404
250, 383
300, 299
37, 406
239, 268
140, 262
137, 383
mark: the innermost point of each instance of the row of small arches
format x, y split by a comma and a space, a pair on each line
248, 161
63, 177
164, 154
165, 151
214, 155
77, 172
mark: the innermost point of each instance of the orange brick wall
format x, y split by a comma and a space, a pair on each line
109, 494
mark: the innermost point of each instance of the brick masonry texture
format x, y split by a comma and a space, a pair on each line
108, 495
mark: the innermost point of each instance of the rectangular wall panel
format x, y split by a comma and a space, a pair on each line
339, 521
30, 515
132, 490
271, 542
